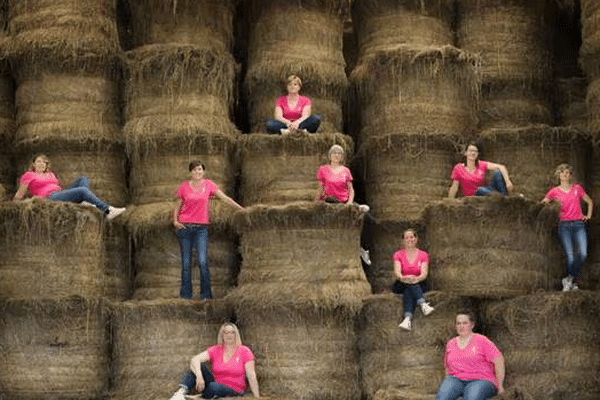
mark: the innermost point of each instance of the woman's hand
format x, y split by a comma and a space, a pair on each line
509, 186
293, 126
178, 225
199, 383
500, 390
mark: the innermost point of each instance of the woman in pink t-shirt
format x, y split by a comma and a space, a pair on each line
191, 219
470, 176
232, 363
411, 266
474, 365
41, 182
571, 227
293, 111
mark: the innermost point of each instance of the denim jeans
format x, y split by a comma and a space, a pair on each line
79, 191
411, 296
452, 389
573, 237
496, 184
311, 124
212, 389
189, 237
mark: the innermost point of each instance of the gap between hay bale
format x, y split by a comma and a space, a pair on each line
571, 94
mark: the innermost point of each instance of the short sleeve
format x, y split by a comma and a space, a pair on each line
483, 165
320, 173
454, 175
551, 194
491, 351
280, 101
26, 178
212, 352
180, 191
213, 189
247, 355
349, 175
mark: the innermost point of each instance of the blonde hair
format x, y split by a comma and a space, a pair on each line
43, 157
293, 78
336, 148
561, 168
238, 339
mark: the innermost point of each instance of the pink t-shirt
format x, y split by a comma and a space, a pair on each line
232, 373
414, 268
295, 113
194, 203
40, 184
570, 204
469, 182
335, 185
475, 361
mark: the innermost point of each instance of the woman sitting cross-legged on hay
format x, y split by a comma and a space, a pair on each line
293, 112
410, 266
232, 363
41, 182
470, 176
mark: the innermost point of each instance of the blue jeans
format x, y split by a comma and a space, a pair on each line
411, 296
496, 184
452, 389
212, 389
189, 237
311, 124
79, 191
573, 237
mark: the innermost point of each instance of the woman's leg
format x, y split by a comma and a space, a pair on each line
580, 240
497, 183
274, 126
566, 237
311, 123
201, 243
409, 300
450, 389
81, 181
479, 390
185, 243
77, 195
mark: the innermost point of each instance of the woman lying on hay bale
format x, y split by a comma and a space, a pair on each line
191, 219
474, 365
410, 266
293, 111
40, 181
470, 176
335, 185
571, 228
232, 363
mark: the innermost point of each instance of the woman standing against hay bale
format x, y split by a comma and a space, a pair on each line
411, 266
293, 111
571, 227
191, 219
232, 363
474, 365
41, 182
470, 176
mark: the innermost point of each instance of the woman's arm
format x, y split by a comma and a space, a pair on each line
590, 207
398, 272
320, 192
350, 192
251, 375
195, 366
228, 200
176, 223
453, 189
306, 110
504, 172
499, 373
21, 192
279, 116
424, 272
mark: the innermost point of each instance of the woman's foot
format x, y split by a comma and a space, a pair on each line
114, 211
405, 324
364, 255
179, 394
426, 308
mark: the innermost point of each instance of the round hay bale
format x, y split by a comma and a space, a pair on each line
117, 261
154, 341
532, 153
62, 99
54, 349
157, 256
57, 26
550, 344
159, 166
50, 250
422, 90
573, 111
279, 169
492, 247
301, 254
204, 24
405, 172
391, 358
302, 352
590, 37
384, 25
513, 37
310, 48
171, 90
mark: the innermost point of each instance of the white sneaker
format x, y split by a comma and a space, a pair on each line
305, 130
114, 211
567, 284
364, 255
426, 308
284, 131
179, 394
405, 324
574, 286
364, 208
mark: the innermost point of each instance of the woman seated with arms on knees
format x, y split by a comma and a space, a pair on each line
232, 363
293, 111
474, 365
41, 182
470, 176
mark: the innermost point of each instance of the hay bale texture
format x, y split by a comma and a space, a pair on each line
7, 104
282, 169
492, 247
573, 110
204, 24
309, 47
405, 172
50, 250
117, 261
590, 274
154, 342
417, 90
393, 359
550, 344
301, 254
157, 255
384, 25
54, 349
590, 37
593, 105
